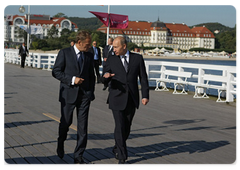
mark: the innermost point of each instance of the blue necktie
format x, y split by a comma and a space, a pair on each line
80, 60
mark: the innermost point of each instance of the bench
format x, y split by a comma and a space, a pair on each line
180, 81
211, 78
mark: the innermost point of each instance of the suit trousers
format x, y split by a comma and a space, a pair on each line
82, 105
96, 67
123, 121
23, 58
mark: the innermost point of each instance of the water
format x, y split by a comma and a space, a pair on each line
213, 92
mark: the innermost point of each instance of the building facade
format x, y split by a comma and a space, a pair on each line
11, 30
159, 34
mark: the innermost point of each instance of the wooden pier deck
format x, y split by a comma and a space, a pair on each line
171, 129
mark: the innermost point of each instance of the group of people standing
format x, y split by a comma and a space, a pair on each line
74, 68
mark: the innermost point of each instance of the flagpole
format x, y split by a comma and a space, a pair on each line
108, 24
28, 27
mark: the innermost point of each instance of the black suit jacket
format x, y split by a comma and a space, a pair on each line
125, 83
106, 51
99, 54
21, 52
65, 67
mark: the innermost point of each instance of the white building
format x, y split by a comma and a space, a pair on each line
11, 28
159, 34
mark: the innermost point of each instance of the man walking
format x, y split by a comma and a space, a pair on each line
23, 52
107, 49
123, 70
97, 59
74, 69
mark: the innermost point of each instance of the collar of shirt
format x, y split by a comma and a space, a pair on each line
76, 49
127, 57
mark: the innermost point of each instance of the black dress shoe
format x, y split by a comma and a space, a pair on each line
104, 88
60, 152
121, 161
115, 154
79, 161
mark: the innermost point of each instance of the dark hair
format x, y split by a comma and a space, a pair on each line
111, 39
82, 35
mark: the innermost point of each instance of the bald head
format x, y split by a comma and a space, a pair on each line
120, 45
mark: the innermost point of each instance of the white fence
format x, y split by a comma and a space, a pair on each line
37, 60
156, 69
46, 61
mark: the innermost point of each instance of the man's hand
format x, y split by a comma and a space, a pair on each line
78, 80
108, 75
145, 101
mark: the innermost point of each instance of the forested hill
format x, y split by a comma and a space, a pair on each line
86, 23
212, 26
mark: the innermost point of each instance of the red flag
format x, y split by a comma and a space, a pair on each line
116, 20
103, 17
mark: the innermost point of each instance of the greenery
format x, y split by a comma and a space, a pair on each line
224, 41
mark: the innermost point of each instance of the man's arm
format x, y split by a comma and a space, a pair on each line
58, 69
144, 82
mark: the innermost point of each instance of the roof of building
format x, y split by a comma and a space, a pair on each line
53, 21
202, 32
177, 30
158, 25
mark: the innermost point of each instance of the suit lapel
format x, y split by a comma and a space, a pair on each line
74, 56
119, 63
131, 61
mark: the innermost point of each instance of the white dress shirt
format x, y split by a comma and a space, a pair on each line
127, 57
78, 55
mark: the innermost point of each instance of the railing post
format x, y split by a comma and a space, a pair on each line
201, 72
38, 60
229, 95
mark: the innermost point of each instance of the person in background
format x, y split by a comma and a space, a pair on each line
97, 59
74, 69
122, 70
72, 43
107, 49
23, 52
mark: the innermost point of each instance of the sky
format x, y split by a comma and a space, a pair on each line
189, 14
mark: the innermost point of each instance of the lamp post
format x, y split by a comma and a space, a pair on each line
22, 10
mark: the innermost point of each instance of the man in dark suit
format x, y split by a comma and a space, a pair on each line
123, 70
97, 59
23, 52
107, 49
74, 69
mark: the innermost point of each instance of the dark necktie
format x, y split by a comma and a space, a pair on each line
80, 60
125, 63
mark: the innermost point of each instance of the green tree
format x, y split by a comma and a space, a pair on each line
53, 32
59, 15
131, 46
35, 45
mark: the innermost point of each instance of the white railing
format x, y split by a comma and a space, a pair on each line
198, 72
37, 60
46, 61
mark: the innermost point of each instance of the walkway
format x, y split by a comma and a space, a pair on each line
171, 129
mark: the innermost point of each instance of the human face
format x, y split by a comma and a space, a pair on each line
84, 45
118, 48
94, 43
110, 42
